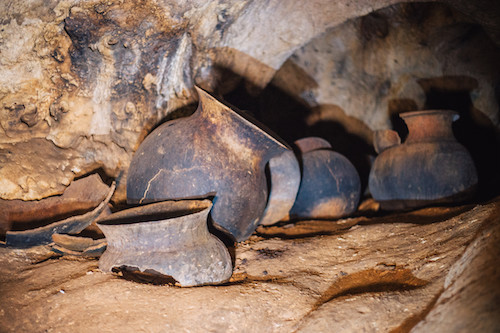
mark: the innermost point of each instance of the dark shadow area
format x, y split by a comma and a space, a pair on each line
311, 228
181, 112
92, 231
45, 221
284, 115
397, 106
370, 281
375, 288
147, 277
422, 216
306, 229
225, 237
139, 217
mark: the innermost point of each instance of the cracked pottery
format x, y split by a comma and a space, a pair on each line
217, 152
330, 187
170, 238
429, 167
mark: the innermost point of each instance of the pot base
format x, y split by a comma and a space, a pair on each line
186, 269
410, 204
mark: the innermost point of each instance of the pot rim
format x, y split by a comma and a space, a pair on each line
245, 117
455, 115
157, 211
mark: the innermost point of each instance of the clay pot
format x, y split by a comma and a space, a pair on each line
216, 151
330, 187
169, 238
284, 172
429, 167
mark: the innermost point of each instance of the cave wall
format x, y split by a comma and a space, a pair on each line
83, 82
388, 61
355, 78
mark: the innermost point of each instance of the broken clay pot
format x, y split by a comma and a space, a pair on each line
71, 225
330, 186
80, 197
78, 246
429, 167
170, 238
216, 151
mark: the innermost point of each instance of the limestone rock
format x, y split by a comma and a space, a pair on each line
92, 78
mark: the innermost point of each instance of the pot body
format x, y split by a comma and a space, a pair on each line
216, 151
284, 172
330, 187
429, 167
169, 238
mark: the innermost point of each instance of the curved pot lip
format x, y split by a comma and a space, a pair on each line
453, 113
245, 117
154, 212
311, 143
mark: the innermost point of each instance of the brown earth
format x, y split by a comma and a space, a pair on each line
431, 270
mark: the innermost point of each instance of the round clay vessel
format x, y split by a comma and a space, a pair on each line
330, 187
169, 238
429, 167
216, 151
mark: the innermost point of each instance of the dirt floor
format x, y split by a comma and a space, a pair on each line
432, 270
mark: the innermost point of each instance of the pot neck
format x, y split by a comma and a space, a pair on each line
241, 131
429, 125
163, 234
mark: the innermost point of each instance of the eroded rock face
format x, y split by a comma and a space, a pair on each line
83, 82
357, 77
391, 61
101, 76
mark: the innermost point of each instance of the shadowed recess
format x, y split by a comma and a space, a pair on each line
304, 229
149, 276
370, 281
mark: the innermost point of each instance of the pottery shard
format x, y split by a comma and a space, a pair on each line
80, 196
71, 225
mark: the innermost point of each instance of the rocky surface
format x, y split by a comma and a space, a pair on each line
355, 78
435, 269
83, 82
390, 60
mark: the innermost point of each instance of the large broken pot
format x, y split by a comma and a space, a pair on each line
170, 238
429, 167
216, 151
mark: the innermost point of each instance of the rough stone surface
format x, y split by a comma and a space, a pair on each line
356, 78
423, 270
82, 82
377, 65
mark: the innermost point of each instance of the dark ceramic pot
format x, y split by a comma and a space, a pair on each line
170, 238
429, 167
330, 187
216, 151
